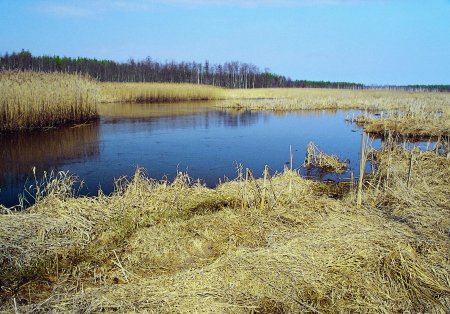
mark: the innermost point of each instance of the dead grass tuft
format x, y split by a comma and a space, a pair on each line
317, 158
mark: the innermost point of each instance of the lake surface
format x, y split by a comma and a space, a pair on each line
163, 138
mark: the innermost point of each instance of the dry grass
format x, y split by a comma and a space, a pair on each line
317, 158
31, 100
249, 246
314, 98
179, 247
35, 100
420, 125
409, 114
158, 92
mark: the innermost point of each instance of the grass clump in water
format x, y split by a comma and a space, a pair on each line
317, 158
412, 125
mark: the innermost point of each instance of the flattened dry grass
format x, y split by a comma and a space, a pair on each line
158, 92
283, 99
179, 247
30, 100
418, 125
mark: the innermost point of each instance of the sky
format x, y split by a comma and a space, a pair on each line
365, 41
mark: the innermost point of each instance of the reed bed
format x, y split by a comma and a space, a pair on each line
30, 100
273, 245
285, 99
158, 92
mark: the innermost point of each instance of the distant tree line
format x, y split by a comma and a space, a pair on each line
230, 74
411, 88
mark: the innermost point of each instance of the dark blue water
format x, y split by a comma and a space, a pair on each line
205, 142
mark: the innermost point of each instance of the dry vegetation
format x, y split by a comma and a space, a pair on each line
318, 98
412, 114
317, 158
280, 245
158, 92
36, 100
178, 247
31, 100
417, 124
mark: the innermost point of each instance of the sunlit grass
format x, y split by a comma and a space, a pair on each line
31, 100
180, 247
318, 98
158, 92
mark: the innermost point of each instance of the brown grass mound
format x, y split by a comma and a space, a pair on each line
159, 247
420, 125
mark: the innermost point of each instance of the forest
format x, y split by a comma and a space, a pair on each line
232, 74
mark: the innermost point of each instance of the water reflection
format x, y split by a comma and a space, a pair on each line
173, 115
20, 152
131, 111
197, 137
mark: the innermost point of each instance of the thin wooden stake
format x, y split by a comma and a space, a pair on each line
410, 169
352, 181
362, 165
436, 146
244, 198
290, 154
263, 196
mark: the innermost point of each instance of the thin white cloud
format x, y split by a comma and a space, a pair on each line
255, 3
64, 10
84, 8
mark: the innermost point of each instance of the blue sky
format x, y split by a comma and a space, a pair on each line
367, 41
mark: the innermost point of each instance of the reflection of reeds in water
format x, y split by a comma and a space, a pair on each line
31, 100
150, 110
19, 153
176, 113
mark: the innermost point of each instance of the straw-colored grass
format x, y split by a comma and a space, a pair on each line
317, 158
31, 100
158, 92
414, 114
420, 125
318, 98
36, 100
164, 247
